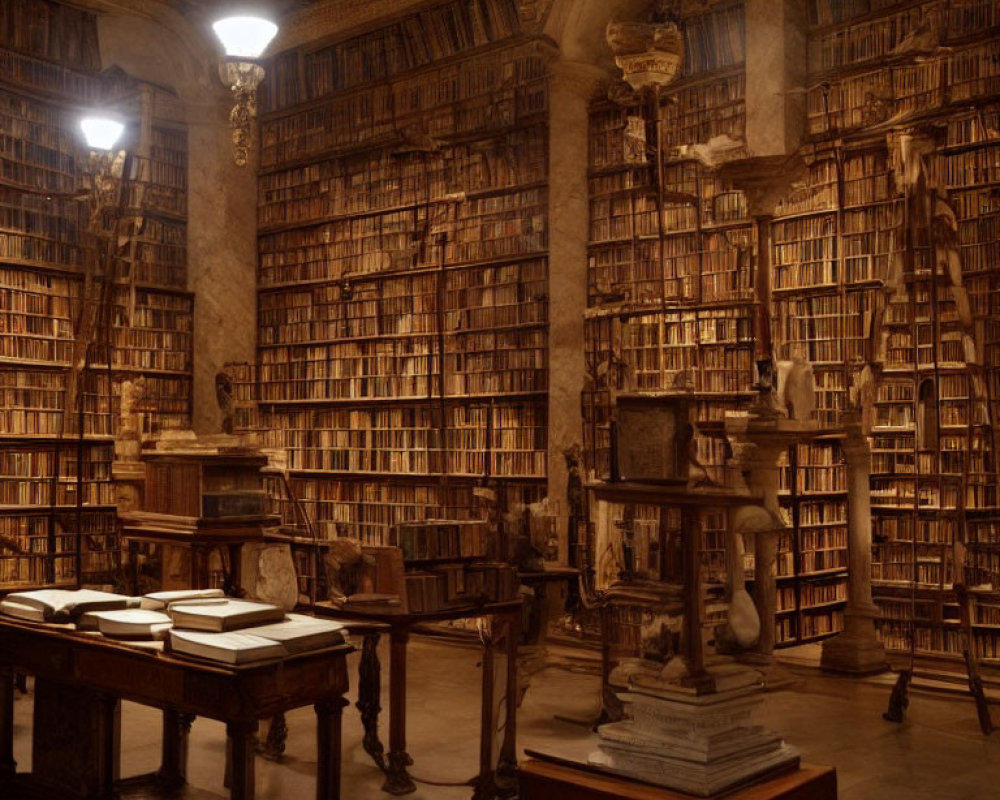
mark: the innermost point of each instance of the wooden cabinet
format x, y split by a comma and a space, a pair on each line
200, 502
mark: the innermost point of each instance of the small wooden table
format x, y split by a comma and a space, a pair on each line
493, 780
546, 780
81, 678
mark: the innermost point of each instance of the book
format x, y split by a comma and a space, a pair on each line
22, 611
160, 600
229, 647
299, 632
375, 602
127, 623
228, 616
65, 605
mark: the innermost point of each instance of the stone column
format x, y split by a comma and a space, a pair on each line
571, 86
762, 464
857, 649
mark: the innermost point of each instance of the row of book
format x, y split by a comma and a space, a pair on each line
367, 509
415, 40
430, 540
480, 298
52, 31
864, 41
831, 538
383, 179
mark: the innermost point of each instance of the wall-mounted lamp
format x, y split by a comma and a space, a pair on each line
101, 133
244, 39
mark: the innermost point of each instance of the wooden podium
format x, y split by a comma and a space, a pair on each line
547, 780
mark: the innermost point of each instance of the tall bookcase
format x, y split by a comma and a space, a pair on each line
674, 309
57, 501
901, 228
403, 277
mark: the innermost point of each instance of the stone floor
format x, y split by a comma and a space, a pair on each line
938, 752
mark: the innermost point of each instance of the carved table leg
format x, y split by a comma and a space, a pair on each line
369, 694
328, 721
485, 783
7, 764
398, 780
173, 763
109, 743
273, 747
241, 759
506, 777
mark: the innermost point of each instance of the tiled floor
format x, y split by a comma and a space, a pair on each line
938, 752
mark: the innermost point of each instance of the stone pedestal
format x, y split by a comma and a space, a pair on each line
702, 744
857, 650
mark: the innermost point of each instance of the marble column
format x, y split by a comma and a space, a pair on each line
857, 649
571, 86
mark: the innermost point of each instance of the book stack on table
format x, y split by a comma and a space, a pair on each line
201, 623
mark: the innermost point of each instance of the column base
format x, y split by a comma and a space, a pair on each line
856, 651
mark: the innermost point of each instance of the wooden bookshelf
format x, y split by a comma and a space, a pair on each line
924, 329
57, 422
402, 354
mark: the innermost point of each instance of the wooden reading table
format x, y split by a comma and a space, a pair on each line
80, 679
493, 780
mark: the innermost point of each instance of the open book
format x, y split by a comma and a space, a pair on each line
298, 632
127, 623
229, 647
229, 615
61, 605
160, 600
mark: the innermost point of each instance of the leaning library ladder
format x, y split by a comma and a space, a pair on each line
899, 699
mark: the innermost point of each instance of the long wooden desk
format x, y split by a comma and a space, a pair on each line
81, 678
494, 780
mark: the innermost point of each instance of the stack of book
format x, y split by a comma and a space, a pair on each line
237, 632
697, 743
200, 622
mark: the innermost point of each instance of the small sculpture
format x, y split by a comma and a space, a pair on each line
225, 399
649, 53
342, 559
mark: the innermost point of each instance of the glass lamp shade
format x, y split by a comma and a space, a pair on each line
245, 37
101, 133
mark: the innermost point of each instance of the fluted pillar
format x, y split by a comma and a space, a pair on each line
857, 649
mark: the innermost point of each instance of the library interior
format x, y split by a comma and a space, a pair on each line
541, 399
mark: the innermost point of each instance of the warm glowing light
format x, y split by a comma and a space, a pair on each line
101, 133
245, 37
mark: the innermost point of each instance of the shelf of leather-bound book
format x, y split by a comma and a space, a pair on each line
430, 67
61, 442
415, 205
399, 401
119, 367
420, 269
635, 309
390, 142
